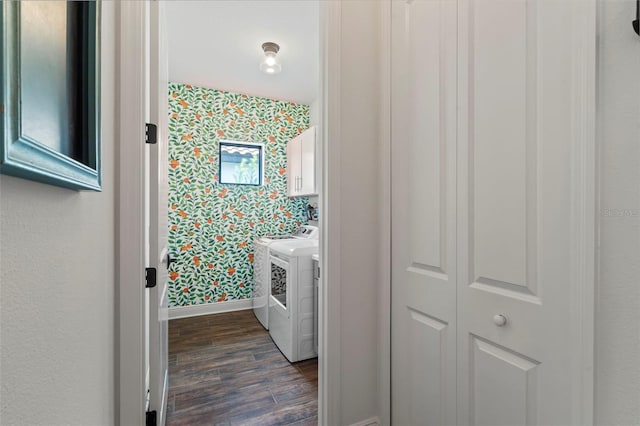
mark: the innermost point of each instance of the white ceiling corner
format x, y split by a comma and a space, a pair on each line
217, 44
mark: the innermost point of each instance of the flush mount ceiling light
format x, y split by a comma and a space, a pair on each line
270, 64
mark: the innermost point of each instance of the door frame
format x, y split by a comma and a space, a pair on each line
130, 380
329, 186
129, 341
584, 209
384, 268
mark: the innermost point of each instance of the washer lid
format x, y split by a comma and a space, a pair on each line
295, 247
268, 239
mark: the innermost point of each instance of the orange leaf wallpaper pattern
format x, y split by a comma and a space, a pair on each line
212, 226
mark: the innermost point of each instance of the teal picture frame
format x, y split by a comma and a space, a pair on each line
25, 156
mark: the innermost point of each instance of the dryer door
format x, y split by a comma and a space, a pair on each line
280, 309
280, 284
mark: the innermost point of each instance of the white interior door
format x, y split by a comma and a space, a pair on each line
158, 214
492, 211
521, 97
423, 196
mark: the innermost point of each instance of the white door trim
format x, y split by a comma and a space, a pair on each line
584, 209
329, 186
130, 326
130, 321
384, 292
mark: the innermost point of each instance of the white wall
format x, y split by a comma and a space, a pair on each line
57, 288
314, 112
360, 209
618, 291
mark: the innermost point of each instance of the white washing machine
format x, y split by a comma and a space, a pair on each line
291, 303
261, 288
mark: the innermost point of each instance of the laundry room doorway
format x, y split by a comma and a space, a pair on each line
243, 141
337, 374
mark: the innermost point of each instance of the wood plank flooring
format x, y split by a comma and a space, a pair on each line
224, 369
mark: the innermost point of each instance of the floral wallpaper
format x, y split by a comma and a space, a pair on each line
213, 226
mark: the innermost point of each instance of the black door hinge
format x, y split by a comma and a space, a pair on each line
151, 418
150, 277
151, 133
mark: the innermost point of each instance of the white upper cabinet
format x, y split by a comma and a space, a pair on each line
301, 164
294, 149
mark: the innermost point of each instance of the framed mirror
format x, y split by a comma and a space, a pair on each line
50, 93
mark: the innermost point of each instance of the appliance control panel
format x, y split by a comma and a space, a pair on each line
307, 232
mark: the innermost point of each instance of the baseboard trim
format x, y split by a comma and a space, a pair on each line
209, 308
373, 421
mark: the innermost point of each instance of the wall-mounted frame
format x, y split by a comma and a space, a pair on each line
50, 93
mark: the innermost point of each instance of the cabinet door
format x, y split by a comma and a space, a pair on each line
293, 166
307, 181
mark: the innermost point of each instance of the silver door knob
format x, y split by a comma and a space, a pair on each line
499, 320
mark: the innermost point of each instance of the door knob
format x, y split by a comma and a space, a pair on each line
499, 320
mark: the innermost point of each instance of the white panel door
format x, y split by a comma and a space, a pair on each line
423, 186
519, 103
158, 214
492, 222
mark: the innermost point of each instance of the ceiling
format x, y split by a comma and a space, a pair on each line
217, 44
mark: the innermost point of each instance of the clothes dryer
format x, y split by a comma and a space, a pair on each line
291, 302
261, 275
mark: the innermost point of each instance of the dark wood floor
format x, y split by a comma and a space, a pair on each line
224, 369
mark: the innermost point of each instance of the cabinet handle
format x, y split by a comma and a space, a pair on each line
300, 183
